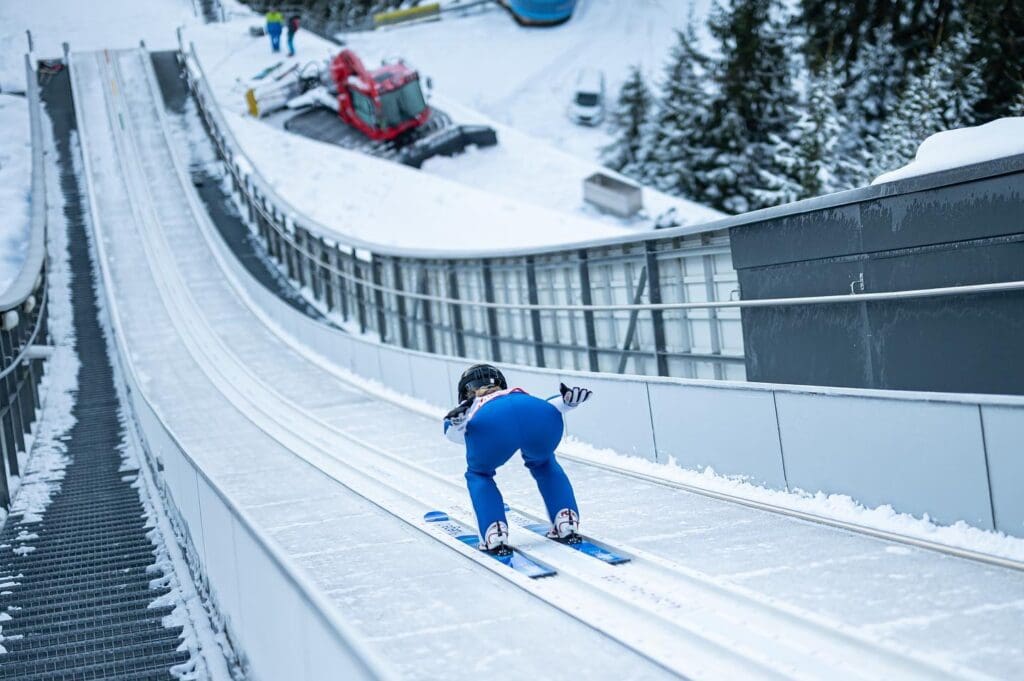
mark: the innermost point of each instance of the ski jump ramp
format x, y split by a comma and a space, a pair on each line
302, 495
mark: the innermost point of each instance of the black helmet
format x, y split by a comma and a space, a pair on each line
479, 376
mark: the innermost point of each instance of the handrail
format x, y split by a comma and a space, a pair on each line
907, 294
27, 347
28, 279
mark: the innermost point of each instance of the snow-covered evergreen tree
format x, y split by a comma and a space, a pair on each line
960, 79
674, 151
628, 122
816, 153
754, 107
1017, 106
943, 97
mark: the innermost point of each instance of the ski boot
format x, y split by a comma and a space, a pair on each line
496, 540
566, 527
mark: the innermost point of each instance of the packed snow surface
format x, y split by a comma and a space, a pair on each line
524, 77
390, 204
15, 186
961, 147
84, 26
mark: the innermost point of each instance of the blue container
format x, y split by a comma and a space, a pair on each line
541, 12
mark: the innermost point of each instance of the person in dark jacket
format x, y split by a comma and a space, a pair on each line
293, 28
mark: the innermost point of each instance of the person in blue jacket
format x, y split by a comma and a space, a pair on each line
494, 421
275, 22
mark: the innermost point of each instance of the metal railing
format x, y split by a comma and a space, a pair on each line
23, 309
657, 304
585, 308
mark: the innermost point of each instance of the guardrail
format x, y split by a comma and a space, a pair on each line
430, 300
23, 312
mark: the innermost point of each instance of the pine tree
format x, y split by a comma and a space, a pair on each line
673, 149
628, 122
960, 78
1017, 107
821, 160
753, 109
1000, 24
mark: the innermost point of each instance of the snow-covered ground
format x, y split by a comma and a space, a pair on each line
15, 185
386, 203
524, 77
520, 170
961, 147
84, 26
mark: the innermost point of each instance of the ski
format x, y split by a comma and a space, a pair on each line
516, 560
585, 546
267, 71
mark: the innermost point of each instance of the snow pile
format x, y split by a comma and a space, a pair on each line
961, 147
838, 507
15, 186
45, 466
389, 204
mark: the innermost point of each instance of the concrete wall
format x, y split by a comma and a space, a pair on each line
955, 457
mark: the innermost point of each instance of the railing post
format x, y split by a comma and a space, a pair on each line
378, 298
492, 313
456, 312
403, 329
588, 315
657, 317
712, 295
538, 334
428, 315
360, 302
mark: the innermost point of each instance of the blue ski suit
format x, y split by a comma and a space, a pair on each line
496, 426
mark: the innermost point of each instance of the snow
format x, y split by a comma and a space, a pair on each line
15, 186
519, 176
48, 453
961, 147
524, 77
389, 204
84, 26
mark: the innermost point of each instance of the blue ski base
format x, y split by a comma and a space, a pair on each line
517, 560
585, 547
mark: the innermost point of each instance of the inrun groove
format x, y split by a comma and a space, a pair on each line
79, 603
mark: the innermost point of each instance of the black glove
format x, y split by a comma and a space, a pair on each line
574, 397
458, 415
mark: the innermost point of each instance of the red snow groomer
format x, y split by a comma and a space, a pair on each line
383, 103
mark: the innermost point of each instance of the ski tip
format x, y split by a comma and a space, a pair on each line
436, 517
507, 509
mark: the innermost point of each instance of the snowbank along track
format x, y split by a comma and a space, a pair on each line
675, 616
78, 584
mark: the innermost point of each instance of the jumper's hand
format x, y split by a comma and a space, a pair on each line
574, 397
457, 416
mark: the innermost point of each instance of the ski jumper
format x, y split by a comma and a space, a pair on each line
275, 22
496, 426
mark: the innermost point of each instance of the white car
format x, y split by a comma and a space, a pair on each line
587, 107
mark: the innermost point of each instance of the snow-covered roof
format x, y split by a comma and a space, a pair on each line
961, 147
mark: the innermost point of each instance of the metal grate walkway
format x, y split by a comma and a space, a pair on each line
79, 606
